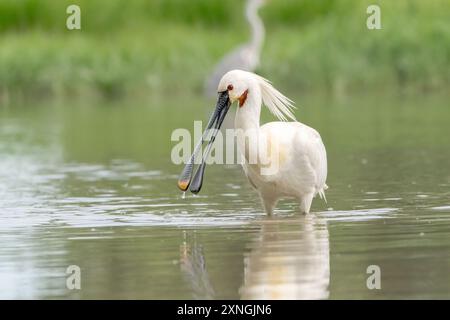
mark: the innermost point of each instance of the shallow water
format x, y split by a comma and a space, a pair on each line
91, 184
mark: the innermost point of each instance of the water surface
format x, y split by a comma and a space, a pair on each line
91, 184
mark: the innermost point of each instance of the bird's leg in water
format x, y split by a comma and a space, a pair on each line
269, 202
305, 203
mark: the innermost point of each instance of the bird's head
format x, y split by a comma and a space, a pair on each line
236, 85
256, 3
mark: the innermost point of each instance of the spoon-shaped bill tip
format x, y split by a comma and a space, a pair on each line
197, 181
183, 185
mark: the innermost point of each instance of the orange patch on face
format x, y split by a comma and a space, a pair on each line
242, 98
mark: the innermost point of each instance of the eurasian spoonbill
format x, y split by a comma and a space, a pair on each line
297, 165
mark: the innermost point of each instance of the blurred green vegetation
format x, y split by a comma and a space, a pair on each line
139, 47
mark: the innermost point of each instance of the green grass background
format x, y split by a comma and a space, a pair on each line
156, 47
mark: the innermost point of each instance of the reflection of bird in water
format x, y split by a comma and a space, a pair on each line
288, 263
193, 268
245, 57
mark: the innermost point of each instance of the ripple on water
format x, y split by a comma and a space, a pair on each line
359, 215
441, 208
86, 195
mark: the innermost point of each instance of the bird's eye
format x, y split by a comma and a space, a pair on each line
230, 87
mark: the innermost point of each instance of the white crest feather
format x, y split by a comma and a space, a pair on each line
278, 104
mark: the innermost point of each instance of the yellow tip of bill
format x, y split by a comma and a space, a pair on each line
183, 184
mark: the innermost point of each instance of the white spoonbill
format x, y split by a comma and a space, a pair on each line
295, 150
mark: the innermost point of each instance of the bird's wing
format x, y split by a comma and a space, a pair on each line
312, 150
318, 158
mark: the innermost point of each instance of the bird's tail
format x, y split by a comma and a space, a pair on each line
321, 193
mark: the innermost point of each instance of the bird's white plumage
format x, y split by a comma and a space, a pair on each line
297, 150
278, 104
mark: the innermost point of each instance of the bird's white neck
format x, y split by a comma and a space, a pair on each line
246, 125
248, 115
257, 27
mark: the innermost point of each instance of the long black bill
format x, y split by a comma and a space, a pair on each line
185, 180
